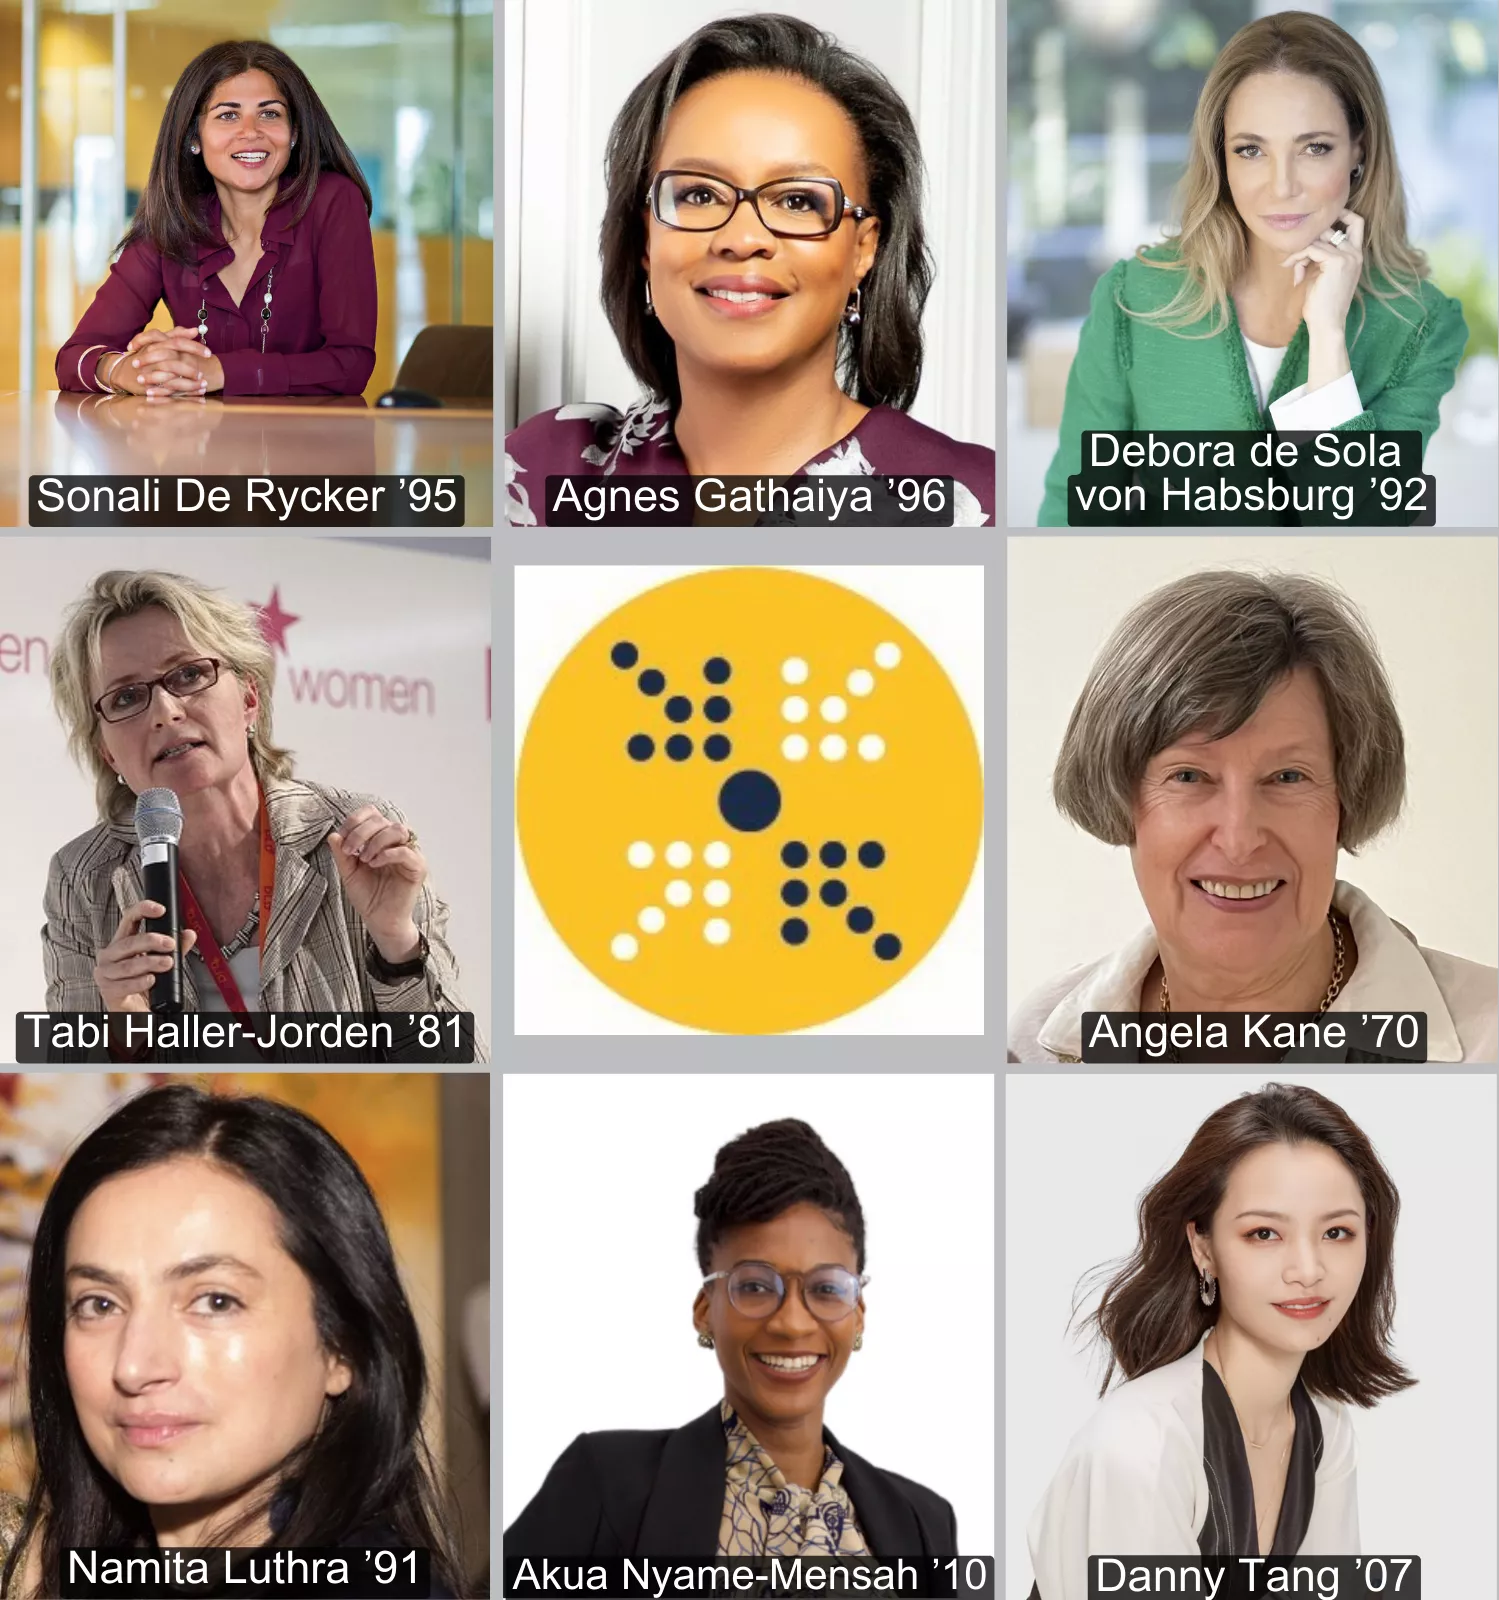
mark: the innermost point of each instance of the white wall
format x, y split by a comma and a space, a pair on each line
361, 609
1433, 606
582, 57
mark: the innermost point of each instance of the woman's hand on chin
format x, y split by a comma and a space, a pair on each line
383, 873
1339, 267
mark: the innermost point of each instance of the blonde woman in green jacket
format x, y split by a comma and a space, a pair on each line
1292, 298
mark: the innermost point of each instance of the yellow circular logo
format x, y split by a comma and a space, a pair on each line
750, 800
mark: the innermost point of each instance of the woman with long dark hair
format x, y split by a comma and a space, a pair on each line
219, 1351
1256, 1307
254, 229
765, 269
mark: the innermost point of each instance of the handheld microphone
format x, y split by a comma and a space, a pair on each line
158, 826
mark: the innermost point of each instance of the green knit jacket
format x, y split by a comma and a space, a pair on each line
1133, 374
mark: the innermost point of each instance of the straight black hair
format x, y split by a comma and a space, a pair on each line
170, 214
879, 361
369, 1461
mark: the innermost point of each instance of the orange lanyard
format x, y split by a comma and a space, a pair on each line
208, 947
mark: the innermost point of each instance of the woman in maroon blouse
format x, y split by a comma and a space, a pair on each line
765, 271
254, 229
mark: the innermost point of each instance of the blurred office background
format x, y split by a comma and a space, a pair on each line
1101, 99
409, 84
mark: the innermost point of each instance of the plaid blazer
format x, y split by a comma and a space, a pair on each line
314, 956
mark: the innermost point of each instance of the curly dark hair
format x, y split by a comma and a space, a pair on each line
879, 361
766, 1171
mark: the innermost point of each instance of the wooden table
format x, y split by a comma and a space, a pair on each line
129, 435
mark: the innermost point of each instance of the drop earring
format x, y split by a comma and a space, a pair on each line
1207, 1289
650, 309
705, 1340
858, 1341
853, 313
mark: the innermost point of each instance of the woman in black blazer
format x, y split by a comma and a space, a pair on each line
780, 1241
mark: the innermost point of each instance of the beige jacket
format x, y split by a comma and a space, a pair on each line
1394, 973
315, 945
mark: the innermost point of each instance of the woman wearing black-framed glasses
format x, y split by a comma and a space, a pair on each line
780, 1243
765, 270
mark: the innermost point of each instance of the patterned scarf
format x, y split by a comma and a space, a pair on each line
763, 1515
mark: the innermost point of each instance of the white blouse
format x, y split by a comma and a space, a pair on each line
1132, 1482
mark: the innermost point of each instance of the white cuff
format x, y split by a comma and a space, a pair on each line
1333, 403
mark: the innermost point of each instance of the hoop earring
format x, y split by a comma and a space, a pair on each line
650, 309
1358, 172
1207, 1289
853, 314
120, 780
705, 1340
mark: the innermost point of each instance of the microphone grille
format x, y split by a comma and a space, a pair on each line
158, 817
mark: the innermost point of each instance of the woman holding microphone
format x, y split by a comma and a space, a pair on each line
254, 229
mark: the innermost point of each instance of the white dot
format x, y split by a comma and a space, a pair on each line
652, 919
624, 947
794, 670
871, 747
716, 930
834, 747
834, 708
716, 892
794, 747
640, 854
678, 892
887, 655
860, 682
794, 708
717, 854
678, 854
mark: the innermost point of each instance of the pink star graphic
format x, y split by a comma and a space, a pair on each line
274, 621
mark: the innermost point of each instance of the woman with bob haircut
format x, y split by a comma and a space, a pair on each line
296, 896
765, 270
254, 230
1292, 211
780, 1244
1256, 1307
1235, 732
219, 1351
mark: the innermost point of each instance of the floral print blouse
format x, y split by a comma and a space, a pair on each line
599, 440
763, 1515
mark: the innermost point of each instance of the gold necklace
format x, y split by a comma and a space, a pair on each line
1333, 988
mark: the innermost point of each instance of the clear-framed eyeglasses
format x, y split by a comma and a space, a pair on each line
756, 1289
128, 700
790, 208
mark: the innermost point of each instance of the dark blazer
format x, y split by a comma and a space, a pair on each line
660, 1493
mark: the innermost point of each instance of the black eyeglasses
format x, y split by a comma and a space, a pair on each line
757, 1290
128, 700
802, 208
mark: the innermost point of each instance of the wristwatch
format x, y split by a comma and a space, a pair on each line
386, 973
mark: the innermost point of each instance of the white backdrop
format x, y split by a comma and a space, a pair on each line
555, 607
360, 609
599, 1174
1426, 1480
1433, 604
569, 65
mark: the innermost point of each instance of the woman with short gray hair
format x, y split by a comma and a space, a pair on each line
1236, 731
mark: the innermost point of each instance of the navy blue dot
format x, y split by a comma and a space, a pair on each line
833, 892
624, 654
794, 892
716, 747
678, 708
887, 947
716, 708
794, 854
717, 670
749, 801
679, 747
861, 919
651, 681
642, 747
871, 854
832, 854
794, 930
